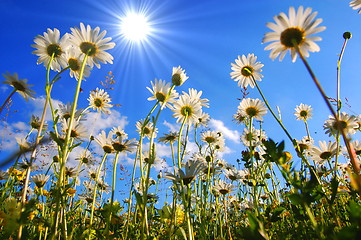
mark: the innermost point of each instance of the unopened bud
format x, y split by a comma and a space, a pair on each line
347, 35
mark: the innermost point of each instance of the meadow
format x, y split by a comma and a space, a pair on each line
265, 196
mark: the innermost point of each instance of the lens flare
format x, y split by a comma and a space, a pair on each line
135, 27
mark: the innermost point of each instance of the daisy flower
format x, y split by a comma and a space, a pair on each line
224, 164
303, 112
120, 145
74, 60
253, 137
222, 187
295, 29
234, 174
239, 117
105, 141
169, 138
305, 144
19, 85
51, 45
119, 133
93, 171
246, 70
325, 152
203, 119
356, 4
150, 158
99, 100
103, 186
160, 91
146, 130
86, 158
64, 111
252, 108
40, 180
187, 109
191, 170
347, 122
78, 131
71, 172
194, 94
178, 76
220, 145
210, 137
92, 42
35, 123
87, 198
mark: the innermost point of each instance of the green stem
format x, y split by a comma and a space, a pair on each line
95, 193
350, 150
272, 112
7, 100
114, 180
180, 142
37, 140
63, 155
339, 104
338, 98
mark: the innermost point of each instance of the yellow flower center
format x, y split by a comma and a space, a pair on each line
210, 139
249, 137
224, 191
98, 102
186, 111
54, 49
176, 79
247, 71
146, 130
88, 48
66, 115
85, 160
18, 86
252, 111
171, 138
325, 155
74, 133
119, 147
303, 113
35, 124
188, 180
74, 64
160, 96
291, 36
343, 125
107, 149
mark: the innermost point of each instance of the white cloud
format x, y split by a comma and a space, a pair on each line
218, 125
9, 133
4, 88
98, 122
172, 127
37, 106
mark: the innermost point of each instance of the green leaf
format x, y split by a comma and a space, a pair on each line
275, 214
253, 221
334, 187
56, 139
296, 198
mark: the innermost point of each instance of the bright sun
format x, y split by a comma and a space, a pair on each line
135, 27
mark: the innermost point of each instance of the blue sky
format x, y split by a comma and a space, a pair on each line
203, 37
